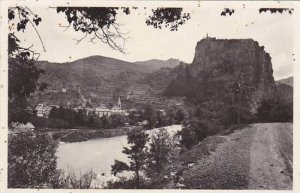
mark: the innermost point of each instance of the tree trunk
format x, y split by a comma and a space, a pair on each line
137, 178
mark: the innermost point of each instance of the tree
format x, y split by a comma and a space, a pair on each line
31, 160
31, 156
105, 122
150, 115
159, 152
167, 17
23, 75
192, 132
272, 110
161, 119
179, 116
117, 120
239, 89
100, 22
137, 153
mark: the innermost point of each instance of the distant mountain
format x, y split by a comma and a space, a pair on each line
99, 79
156, 64
287, 81
284, 89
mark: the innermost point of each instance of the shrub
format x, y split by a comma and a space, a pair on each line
41, 122
137, 153
125, 183
31, 160
275, 111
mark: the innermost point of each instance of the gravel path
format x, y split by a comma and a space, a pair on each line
256, 157
271, 157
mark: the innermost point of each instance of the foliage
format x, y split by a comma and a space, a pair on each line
194, 130
64, 117
125, 183
118, 167
274, 111
149, 114
81, 119
210, 118
42, 122
81, 181
137, 153
98, 21
239, 89
101, 23
154, 160
157, 118
23, 74
179, 116
70, 179
31, 160
159, 156
167, 17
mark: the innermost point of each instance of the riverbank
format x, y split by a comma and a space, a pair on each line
98, 155
85, 134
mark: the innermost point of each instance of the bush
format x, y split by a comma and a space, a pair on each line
125, 183
210, 118
159, 154
195, 130
41, 122
31, 160
275, 111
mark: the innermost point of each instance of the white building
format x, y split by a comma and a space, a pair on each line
43, 110
104, 111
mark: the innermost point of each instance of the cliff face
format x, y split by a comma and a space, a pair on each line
217, 62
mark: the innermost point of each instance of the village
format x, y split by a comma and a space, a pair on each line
43, 110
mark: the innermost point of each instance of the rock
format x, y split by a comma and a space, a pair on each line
219, 61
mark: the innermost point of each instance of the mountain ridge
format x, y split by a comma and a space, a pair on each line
101, 79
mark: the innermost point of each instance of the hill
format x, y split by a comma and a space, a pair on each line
156, 64
100, 80
287, 81
284, 89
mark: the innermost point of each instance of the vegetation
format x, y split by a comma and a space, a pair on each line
150, 160
210, 118
239, 89
31, 160
137, 153
76, 181
64, 118
275, 111
163, 152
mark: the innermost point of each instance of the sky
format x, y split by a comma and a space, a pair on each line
273, 31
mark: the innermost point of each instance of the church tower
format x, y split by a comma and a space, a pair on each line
119, 104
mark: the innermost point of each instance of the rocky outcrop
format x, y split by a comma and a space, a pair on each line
218, 61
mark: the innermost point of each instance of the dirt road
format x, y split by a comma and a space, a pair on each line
257, 157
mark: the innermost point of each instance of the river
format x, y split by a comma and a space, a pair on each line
97, 155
